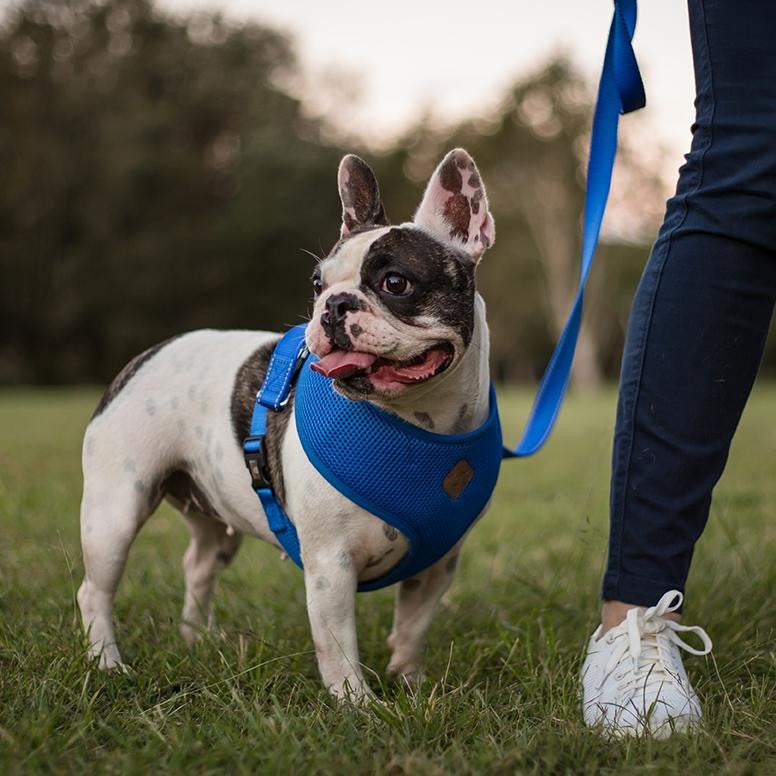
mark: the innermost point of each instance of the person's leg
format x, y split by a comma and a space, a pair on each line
701, 314
695, 338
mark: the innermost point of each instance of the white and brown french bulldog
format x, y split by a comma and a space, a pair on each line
398, 322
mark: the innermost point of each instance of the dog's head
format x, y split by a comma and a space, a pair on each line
394, 305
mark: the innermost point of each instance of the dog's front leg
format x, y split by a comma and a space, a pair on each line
330, 581
416, 603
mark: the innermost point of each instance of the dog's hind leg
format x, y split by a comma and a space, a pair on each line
113, 509
416, 602
212, 547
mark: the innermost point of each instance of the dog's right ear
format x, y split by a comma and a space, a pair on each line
360, 195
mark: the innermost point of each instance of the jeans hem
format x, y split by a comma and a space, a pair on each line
635, 590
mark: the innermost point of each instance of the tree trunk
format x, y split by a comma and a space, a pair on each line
554, 228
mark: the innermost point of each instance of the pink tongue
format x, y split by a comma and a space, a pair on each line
343, 363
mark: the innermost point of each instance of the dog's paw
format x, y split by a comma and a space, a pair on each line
406, 671
109, 662
107, 657
358, 695
191, 633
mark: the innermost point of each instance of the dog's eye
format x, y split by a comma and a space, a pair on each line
396, 284
317, 284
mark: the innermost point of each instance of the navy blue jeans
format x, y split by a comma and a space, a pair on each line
702, 311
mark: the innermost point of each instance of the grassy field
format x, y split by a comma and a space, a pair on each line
503, 656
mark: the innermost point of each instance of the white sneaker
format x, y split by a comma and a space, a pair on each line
633, 680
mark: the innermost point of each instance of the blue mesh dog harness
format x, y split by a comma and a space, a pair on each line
432, 487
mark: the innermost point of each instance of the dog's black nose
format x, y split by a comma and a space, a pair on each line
338, 306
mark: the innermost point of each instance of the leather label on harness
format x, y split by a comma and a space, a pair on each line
458, 478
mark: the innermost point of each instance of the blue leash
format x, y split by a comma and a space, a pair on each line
620, 90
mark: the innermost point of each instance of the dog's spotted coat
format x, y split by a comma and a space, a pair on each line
172, 423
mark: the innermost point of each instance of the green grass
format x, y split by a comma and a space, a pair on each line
503, 655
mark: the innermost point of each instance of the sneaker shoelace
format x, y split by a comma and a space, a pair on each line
639, 637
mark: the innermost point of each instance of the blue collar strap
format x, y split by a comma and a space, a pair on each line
620, 91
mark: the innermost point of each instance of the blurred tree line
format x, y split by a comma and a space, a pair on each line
158, 177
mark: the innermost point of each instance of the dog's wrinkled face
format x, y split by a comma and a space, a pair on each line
395, 304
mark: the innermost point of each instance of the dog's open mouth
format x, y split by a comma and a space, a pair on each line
343, 364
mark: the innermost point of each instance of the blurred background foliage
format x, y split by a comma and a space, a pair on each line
158, 175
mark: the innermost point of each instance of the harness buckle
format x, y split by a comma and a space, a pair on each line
300, 359
255, 453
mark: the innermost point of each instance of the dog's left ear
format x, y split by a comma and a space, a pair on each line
455, 207
360, 195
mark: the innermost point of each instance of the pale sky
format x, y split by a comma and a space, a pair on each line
455, 57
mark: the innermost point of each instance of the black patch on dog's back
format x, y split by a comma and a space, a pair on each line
126, 374
249, 378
